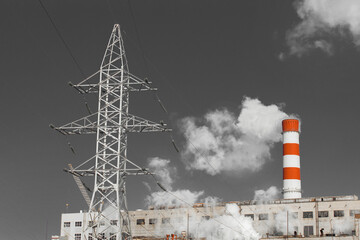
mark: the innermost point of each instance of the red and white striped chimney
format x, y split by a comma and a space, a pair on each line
291, 159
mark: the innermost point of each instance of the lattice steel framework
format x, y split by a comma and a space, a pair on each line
108, 210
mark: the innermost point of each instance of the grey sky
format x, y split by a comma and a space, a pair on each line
202, 55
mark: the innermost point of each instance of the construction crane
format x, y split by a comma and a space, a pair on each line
112, 122
81, 185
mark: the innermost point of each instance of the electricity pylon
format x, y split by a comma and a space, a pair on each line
108, 211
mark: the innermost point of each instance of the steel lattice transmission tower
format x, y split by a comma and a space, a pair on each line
108, 212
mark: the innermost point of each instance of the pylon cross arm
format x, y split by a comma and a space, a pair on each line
138, 124
133, 83
85, 125
88, 125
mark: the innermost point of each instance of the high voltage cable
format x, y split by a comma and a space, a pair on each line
61, 37
146, 61
72, 56
144, 58
138, 36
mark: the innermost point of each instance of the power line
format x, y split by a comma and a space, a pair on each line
61, 38
147, 60
138, 35
144, 59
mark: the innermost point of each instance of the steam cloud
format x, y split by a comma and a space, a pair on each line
233, 225
343, 226
321, 20
220, 142
285, 222
262, 196
160, 167
163, 171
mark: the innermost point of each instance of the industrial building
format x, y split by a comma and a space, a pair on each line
290, 217
305, 217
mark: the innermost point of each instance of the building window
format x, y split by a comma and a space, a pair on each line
77, 236
125, 223
90, 236
66, 224
165, 220
323, 214
78, 224
205, 218
308, 231
263, 216
353, 212
140, 221
112, 236
250, 216
90, 223
152, 221
102, 223
294, 215
307, 214
101, 236
113, 222
338, 213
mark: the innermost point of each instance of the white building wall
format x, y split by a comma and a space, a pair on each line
170, 220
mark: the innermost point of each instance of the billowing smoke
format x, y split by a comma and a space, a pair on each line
286, 222
164, 174
223, 142
221, 225
321, 21
234, 226
343, 226
211, 201
263, 196
173, 198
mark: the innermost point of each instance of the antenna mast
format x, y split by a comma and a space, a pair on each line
108, 212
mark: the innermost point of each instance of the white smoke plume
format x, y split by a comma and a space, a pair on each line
321, 21
173, 198
225, 225
343, 226
160, 167
221, 142
147, 185
262, 196
164, 174
234, 226
211, 201
285, 222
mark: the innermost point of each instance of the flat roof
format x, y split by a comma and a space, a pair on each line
277, 201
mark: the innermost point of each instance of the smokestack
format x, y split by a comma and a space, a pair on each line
291, 159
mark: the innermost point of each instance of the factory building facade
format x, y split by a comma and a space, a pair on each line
306, 217
291, 217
